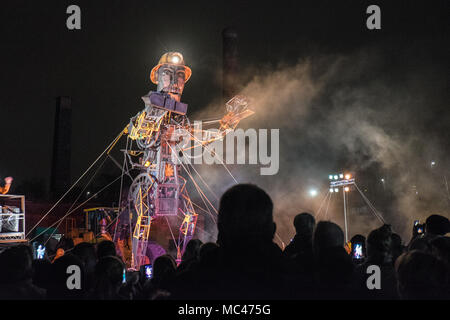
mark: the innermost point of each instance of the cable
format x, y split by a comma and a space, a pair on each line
321, 204
329, 200
73, 185
121, 186
215, 155
70, 212
71, 207
193, 181
375, 212
201, 194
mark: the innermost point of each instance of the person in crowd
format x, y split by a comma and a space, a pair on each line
164, 269
327, 235
334, 269
397, 246
191, 254
250, 264
208, 256
440, 248
86, 253
8, 182
41, 273
300, 254
379, 253
67, 279
435, 225
422, 276
131, 288
109, 273
244, 263
301, 244
16, 275
106, 248
300, 249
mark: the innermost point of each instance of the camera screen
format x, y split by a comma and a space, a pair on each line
148, 271
39, 251
357, 251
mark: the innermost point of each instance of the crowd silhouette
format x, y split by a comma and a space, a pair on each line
245, 263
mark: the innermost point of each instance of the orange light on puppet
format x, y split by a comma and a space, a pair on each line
169, 170
348, 247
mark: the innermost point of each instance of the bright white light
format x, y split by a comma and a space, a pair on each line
335, 177
175, 59
382, 179
347, 176
336, 190
341, 176
330, 176
433, 163
346, 189
331, 190
313, 192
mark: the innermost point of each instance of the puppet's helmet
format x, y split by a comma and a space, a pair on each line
171, 58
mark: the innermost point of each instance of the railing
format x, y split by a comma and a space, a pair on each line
12, 219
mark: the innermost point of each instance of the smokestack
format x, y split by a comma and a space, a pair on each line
230, 63
60, 174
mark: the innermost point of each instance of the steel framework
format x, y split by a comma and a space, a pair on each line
162, 132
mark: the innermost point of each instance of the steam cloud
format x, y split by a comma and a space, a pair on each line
340, 113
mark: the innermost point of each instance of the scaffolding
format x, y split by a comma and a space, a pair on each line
12, 222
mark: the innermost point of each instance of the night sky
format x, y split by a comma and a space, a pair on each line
105, 66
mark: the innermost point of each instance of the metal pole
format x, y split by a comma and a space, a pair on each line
345, 216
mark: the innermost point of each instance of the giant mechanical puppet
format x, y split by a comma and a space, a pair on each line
162, 132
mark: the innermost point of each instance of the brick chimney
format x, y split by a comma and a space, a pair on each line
230, 63
60, 172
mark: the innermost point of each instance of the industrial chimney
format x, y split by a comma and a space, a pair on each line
60, 173
230, 63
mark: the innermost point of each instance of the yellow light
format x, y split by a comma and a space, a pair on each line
346, 189
347, 176
147, 163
